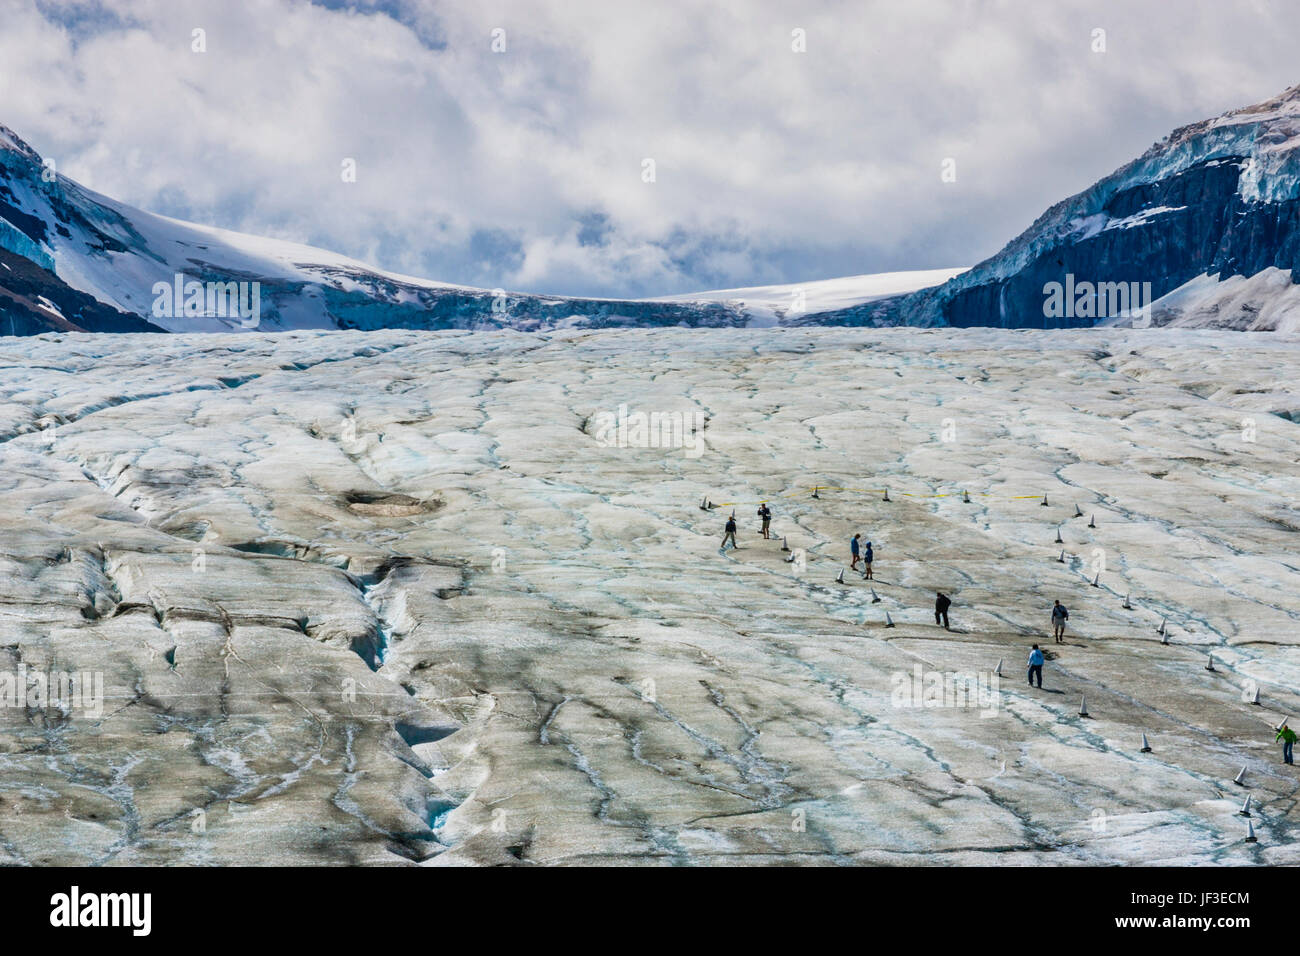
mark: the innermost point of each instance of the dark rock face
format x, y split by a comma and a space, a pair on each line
23, 284
30, 226
1220, 197
1207, 229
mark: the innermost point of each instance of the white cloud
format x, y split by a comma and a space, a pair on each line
479, 167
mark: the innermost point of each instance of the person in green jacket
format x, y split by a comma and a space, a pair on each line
1287, 736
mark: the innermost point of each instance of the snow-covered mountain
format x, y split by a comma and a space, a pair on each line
83, 241
98, 262
1207, 216
772, 305
1199, 231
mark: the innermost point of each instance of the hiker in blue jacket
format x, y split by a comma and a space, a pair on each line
866, 562
1036, 666
855, 548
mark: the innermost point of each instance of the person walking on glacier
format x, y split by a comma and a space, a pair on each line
1287, 736
867, 557
1059, 616
1036, 667
941, 604
729, 534
856, 550
765, 513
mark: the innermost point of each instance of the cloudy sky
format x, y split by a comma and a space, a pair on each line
524, 168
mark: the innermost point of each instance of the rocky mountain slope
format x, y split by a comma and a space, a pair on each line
1212, 202
1200, 231
79, 240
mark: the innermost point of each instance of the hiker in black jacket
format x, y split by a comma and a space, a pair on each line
941, 603
1059, 616
729, 534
